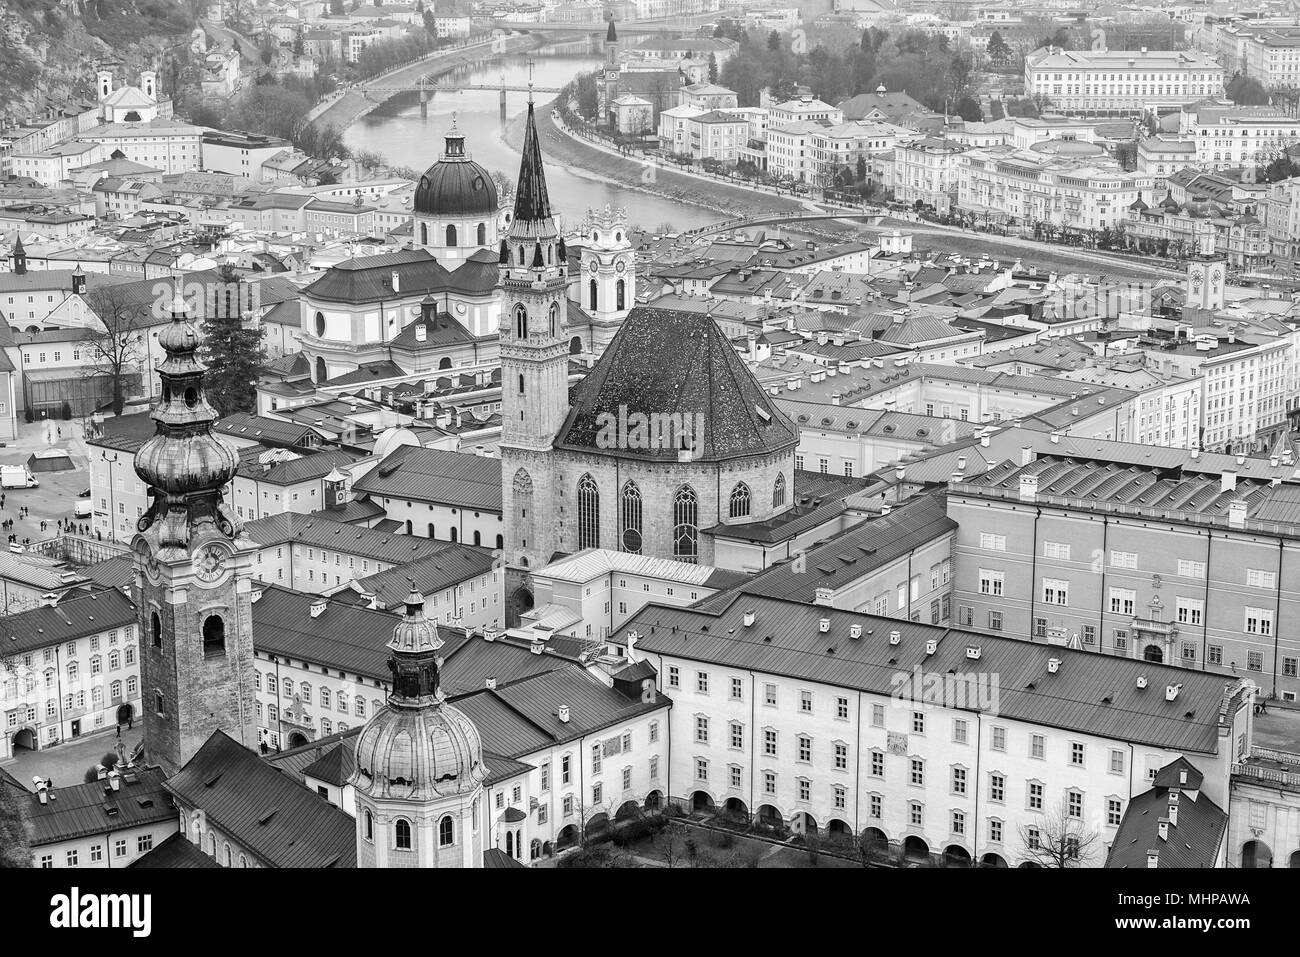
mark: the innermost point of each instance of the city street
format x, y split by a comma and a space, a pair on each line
54, 497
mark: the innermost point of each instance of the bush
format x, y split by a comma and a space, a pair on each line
109, 760
632, 832
66, 412
598, 856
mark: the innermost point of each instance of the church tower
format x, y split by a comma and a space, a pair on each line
534, 363
192, 575
19, 263
419, 763
608, 281
1206, 271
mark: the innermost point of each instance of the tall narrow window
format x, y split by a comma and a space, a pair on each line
685, 524
740, 500
214, 636
619, 291
424, 234
482, 234
402, 835
521, 322
555, 319
521, 255
778, 491
451, 235
446, 832
632, 518
592, 287
588, 513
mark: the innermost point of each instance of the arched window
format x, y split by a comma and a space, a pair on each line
510, 843
444, 362
453, 533
243, 861
451, 235
521, 255
155, 628
446, 832
304, 692
778, 491
619, 289
535, 849
740, 500
402, 835
288, 687
482, 234
478, 538
424, 234
588, 512
368, 824
229, 861
521, 322
214, 636
521, 384
686, 531
631, 502
592, 288
555, 319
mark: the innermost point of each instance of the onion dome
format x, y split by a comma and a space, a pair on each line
183, 463
419, 747
456, 185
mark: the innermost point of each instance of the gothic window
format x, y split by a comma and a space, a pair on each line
446, 832
521, 322
451, 235
778, 491
402, 835
686, 531
588, 513
632, 518
369, 821
424, 234
155, 629
619, 290
555, 319
214, 636
482, 234
740, 500
521, 255
592, 287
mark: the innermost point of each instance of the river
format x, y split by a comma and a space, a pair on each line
397, 131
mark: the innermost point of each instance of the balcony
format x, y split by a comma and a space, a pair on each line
1167, 630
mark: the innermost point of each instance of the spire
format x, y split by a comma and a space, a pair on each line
414, 662
455, 143
19, 258
532, 204
611, 35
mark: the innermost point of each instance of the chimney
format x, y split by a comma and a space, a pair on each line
1053, 665
961, 463
397, 285
563, 714
492, 682
1171, 691
895, 637
1228, 481
1173, 808
1029, 488
749, 618
835, 399
984, 440
421, 332
855, 631
318, 606
824, 625
1026, 455
1237, 513
1163, 824
931, 646
1153, 858
1056, 437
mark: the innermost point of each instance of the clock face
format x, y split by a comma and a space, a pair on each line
591, 265
209, 563
1218, 275
150, 563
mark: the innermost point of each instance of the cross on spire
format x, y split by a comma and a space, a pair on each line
530, 79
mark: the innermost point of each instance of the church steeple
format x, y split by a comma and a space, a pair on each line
20, 258
532, 204
192, 573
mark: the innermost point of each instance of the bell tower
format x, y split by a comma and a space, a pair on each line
534, 360
1206, 271
192, 574
608, 282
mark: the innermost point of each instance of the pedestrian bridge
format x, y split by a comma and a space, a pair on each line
776, 219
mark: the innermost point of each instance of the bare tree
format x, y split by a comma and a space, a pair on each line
668, 845
115, 349
1058, 839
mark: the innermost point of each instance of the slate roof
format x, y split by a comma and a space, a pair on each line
674, 362
177, 852
267, 431
494, 858
369, 372
1193, 842
322, 530
265, 811
85, 809
304, 468
436, 475
364, 279
1089, 693
71, 618
432, 574
111, 572
532, 204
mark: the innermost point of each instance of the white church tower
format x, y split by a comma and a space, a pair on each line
608, 285
1207, 271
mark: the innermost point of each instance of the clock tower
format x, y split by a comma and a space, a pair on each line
1206, 271
192, 580
608, 286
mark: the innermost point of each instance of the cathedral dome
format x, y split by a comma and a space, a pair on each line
456, 185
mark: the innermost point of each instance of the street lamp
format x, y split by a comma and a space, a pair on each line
111, 498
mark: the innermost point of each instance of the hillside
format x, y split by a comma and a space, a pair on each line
51, 48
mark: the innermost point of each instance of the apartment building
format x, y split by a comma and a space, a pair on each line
926, 171
1090, 82
1148, 560
1228, 136
70, 670
817, 720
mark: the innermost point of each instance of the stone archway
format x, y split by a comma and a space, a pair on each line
993, 860
297, 740
125, 713
1256, 854
24, 739
915, 850
1153, 653
520, 601
954, 855
702, 801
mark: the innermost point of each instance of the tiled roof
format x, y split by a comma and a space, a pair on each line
95, 808
1089, 693
177, 852
304, 468
673, 362
433, 573
1194, 841
264, 810
369, 278
322, 530
267, 431
436, 475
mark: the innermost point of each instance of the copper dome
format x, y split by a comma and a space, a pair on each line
456, 185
